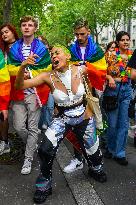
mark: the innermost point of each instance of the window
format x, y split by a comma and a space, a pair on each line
134, 29
134, 43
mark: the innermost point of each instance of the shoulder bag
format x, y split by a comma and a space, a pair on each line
93, 103
110, 103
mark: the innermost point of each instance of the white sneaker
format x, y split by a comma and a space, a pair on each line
132, 127
44, 127
131, 133
74, 165
26, 169
4, 148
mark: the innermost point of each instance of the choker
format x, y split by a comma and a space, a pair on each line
10, 44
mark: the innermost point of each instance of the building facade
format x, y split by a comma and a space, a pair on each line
107, 35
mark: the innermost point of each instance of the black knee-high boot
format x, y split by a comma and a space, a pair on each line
96, 168
44, 180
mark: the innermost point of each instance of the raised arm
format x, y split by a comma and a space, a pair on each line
20, 83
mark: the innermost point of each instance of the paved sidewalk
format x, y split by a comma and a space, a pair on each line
17, 189
120, 189
75, 188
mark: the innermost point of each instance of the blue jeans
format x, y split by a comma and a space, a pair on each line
118, 121
47, 112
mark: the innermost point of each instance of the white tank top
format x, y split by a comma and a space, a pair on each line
62, 98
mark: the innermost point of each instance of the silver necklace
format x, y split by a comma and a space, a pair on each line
66, 80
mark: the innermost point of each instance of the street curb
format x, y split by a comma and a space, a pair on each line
81, 189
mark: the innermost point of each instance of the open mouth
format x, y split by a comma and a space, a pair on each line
56, 63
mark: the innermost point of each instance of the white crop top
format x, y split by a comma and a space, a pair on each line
63, 99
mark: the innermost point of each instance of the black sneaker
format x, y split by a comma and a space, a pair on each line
98, 176
107, 154
40, 196
121, 161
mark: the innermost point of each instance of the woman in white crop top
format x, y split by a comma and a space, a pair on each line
67, 87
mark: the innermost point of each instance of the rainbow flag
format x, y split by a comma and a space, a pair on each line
96, 63
4, 84
15, 58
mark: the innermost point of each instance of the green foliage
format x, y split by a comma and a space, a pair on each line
57, 17
98, 13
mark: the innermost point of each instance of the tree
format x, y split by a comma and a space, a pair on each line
99, 14
7, 11
119, 12
57, 17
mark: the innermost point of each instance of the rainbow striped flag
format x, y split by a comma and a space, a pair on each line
4, 84
96, 63
15, 58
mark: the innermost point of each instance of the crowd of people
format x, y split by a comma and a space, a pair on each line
45, 88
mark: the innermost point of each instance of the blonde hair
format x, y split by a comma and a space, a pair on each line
57, 45
29, 18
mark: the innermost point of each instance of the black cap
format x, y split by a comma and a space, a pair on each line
132, 61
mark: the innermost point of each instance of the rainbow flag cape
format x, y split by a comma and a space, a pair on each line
4, 84
96, 63
15, 58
